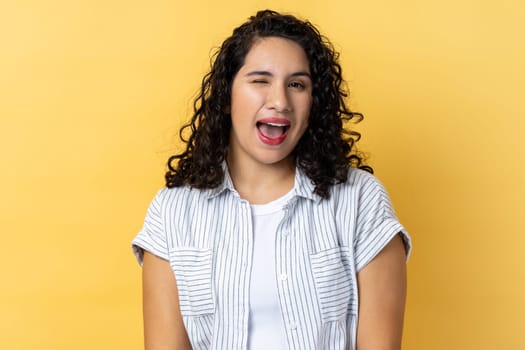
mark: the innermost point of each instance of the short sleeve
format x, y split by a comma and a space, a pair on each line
152, 236
377, 222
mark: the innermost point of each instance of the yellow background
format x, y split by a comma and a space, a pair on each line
91, 96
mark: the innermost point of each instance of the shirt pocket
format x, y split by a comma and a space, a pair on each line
193, 271
332, 283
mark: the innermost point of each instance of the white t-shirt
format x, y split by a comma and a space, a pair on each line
266, 326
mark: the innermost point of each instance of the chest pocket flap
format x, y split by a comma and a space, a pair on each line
333, 284
193, 271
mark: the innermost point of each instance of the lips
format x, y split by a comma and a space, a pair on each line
273, 131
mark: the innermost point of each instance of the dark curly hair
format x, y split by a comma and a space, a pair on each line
326, 150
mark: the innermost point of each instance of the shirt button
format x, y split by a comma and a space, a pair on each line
292, 326
286, 233
284, 277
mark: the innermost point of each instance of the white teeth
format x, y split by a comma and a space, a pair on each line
275, 124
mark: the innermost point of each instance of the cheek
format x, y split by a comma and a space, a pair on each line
244, 99
307, 110
305, 126
306, 104
310, 103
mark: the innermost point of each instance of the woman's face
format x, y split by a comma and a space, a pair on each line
270, 103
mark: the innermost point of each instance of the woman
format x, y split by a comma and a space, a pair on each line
268, 235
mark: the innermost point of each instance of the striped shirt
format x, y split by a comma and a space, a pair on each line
320, 245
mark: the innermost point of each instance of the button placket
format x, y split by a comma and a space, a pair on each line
246, 264
285, 281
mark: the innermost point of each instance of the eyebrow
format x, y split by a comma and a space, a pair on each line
266, 73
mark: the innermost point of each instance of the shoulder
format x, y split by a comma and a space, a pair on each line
167, 197
358, 182
166, 194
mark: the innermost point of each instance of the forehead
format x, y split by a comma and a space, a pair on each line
278, 53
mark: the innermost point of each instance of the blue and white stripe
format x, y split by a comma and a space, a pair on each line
321, 244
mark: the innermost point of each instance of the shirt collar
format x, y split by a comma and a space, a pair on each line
227, 183
303, 186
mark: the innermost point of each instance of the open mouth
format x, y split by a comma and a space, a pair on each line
272, 130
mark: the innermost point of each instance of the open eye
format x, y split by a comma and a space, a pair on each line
296, 85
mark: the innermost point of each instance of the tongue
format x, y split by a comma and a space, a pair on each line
271, 131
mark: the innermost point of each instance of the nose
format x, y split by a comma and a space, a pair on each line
278, 98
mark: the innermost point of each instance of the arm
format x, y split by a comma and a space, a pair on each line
382, 292
163, 326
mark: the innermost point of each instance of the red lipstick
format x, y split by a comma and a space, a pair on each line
273, 131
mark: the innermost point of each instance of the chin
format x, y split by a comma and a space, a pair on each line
275, 160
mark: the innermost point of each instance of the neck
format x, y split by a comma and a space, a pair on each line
261, 183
